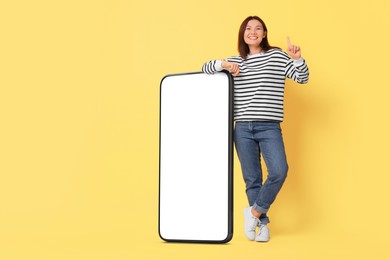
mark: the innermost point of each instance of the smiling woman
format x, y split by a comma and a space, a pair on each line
253, 37
259, 77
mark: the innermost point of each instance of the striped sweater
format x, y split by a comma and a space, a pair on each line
259, 88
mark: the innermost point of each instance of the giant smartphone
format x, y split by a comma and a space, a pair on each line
196, 158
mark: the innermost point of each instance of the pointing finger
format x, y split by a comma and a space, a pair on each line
288, 41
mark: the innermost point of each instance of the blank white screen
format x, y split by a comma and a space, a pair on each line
194, 159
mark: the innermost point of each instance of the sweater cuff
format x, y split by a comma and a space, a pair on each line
298, 62
218, 65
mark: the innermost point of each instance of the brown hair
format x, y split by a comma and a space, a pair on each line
243, 48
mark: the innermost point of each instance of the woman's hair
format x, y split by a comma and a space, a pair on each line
243, 48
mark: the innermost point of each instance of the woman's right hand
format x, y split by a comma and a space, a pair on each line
231, 67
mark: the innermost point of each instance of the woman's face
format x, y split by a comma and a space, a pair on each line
254, 33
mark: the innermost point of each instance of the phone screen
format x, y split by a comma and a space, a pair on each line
196, 158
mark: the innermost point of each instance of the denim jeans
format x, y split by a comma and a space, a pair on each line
254, 139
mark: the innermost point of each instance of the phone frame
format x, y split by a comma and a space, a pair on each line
229, 160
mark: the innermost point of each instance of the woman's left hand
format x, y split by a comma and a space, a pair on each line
293, 50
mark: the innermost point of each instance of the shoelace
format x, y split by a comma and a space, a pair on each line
255, 223
261, 226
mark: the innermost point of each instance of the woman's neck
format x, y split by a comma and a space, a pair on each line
254, 50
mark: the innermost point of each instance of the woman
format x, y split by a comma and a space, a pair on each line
259, 78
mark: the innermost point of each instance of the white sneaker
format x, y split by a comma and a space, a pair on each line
263, 233
250, 223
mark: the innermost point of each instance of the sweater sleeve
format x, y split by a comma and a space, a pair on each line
210, 67
297, 70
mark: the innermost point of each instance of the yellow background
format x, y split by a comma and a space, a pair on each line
79, 115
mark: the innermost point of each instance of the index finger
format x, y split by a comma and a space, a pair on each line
288, 41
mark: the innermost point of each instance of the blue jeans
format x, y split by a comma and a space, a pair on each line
252, 140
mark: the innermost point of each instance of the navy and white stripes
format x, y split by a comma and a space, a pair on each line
259, 88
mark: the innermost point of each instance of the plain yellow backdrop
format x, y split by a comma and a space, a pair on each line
79, 117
